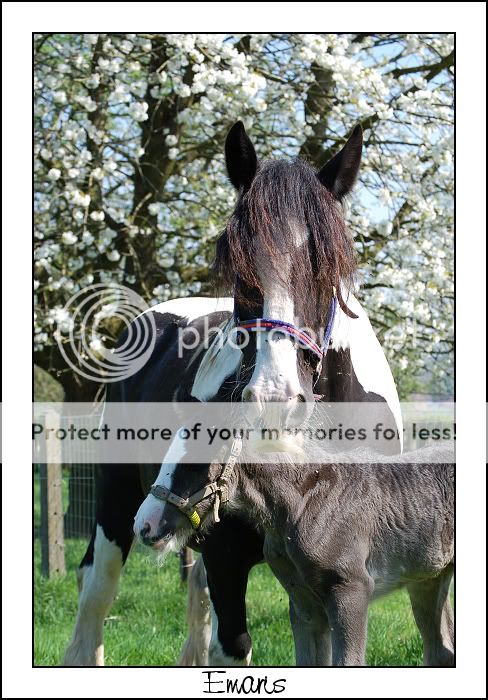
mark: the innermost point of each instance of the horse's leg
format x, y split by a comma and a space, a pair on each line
195, 649
312, 638
433, 614
230, 643
347, 610
118, 496
311, 632
229, 553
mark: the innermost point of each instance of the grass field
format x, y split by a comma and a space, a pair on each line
146, 625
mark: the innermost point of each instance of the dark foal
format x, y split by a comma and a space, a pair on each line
337, 536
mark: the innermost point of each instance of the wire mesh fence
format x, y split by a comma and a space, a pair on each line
78, 499
78, 482
65, 502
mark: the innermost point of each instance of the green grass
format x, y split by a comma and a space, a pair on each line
146, 625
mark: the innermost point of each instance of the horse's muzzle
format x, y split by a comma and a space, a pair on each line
274, 410
156, 540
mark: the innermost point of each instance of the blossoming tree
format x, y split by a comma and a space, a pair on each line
130, 184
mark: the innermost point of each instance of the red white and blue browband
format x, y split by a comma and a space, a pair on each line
305, 341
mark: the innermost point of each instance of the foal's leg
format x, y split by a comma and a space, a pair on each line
311, 632
432, 610
119, 494
312, 638
347, 610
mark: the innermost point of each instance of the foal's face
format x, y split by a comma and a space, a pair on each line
285, 248
163, 526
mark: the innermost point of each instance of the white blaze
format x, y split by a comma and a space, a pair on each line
276, 367
151, 509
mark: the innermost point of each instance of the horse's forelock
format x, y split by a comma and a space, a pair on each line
285, 205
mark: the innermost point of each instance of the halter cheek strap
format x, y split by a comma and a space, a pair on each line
219, 489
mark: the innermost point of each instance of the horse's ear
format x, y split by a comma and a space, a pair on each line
340, 173
240, 157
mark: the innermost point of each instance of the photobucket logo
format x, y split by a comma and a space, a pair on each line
207, 335
96, 316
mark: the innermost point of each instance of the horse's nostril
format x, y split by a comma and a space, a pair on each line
248, 395
298, 398
145, 530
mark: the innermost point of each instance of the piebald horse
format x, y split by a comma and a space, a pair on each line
287, 258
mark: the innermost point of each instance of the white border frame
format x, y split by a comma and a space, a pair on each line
468, 20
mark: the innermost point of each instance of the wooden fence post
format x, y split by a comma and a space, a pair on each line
52, 529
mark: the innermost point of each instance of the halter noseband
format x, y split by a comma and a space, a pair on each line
219, 488
305, 341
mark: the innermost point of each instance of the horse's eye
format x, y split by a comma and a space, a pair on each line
311, 360
240, 338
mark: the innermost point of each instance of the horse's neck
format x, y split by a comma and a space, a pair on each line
265, 493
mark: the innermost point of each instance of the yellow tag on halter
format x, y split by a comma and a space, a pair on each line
194, 519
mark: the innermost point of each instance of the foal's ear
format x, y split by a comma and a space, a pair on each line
240, 157
339, 174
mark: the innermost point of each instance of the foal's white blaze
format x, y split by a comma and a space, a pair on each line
98, 586
151, 509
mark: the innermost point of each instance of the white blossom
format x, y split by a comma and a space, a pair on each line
79, 198
154, 208
166, 261
401, 213
96, 344
54, 174
69, 238
87, 238
183, 90
138, 110
93, 81
60, 97
97, 173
